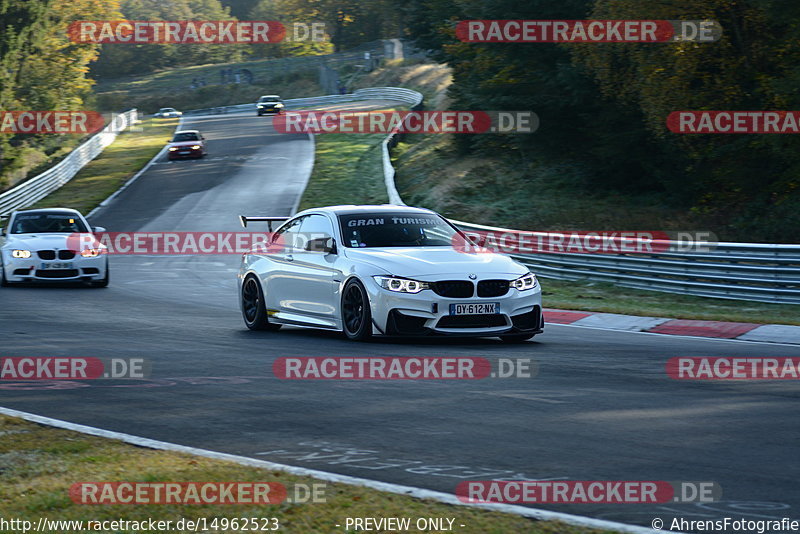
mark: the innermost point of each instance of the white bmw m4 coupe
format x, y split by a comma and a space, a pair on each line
387, 271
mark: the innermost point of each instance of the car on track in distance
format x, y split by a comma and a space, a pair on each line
167, 113
44, 245
269, 104
387, 271
186, 144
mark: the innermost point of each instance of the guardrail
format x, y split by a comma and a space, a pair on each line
38, 187
745, 271
406, 96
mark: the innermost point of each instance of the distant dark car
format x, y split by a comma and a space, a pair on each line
269, 104
187, 144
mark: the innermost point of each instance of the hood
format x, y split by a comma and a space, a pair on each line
436, 261
36, 242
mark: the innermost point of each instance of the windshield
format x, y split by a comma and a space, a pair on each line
366, 230
270, 99
187, 136
39, 223
164, 110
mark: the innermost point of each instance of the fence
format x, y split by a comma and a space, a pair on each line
38, 187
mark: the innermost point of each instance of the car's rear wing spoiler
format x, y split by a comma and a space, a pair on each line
269, 220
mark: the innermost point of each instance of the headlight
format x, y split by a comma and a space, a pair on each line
195, 147
525, 282
400, 285
90, 252
20, 253
278, 105
173, 148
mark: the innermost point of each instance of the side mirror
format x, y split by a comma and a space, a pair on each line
98, 229
321, 244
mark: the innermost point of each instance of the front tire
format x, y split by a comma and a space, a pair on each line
104, 281
3, 281
254, 311
356, 314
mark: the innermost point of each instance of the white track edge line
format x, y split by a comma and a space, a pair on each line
135, 177
419, 493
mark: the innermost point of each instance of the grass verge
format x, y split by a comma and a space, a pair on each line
348, 169
113, 167
39, 464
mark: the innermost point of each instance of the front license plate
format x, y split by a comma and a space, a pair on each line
184, 151
62, 265
473, 309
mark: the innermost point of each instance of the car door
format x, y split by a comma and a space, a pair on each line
316, 276
280, 280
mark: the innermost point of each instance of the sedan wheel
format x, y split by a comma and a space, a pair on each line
253, 309
356, 316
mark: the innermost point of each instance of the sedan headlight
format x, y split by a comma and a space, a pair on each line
400, 285
91, 252
20, 253
173, 148
525, 282
195, 147
278, 105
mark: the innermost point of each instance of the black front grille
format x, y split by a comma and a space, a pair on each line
66, 254
458, 289
57, 273
493, 288
22, 272
91, 270
47, 254
471, 321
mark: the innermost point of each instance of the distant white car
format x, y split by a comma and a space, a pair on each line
167, 113
269, 104
43, 245
384, 270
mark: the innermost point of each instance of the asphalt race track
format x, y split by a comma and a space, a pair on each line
600, 408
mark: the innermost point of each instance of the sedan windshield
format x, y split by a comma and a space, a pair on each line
269, 99
365, 230
186, 136
39, 223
